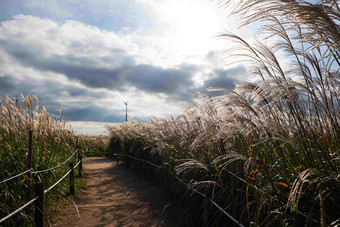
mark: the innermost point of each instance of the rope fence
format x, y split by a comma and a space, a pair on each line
44, 192
263, 192
40, 171
39, 186
63, 163
213, 202
18, 210
77, 164
20, 174
190, 188
154, 165
56, 183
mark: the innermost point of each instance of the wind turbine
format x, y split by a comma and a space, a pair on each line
126, 103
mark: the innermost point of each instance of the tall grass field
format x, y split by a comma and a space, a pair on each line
53, 144
267, 151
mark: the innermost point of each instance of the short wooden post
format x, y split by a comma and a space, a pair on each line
143, 156
206, 206
127, 159
143, 166
39, 204
80, 159
71, 178
75, 156
29, 157
157, 163
158, 159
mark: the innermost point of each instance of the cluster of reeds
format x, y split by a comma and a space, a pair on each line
94, 146
279, 134
27, 114
53, 143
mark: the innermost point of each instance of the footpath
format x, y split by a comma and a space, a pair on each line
115, 196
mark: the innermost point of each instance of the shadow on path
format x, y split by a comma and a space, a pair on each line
115, 196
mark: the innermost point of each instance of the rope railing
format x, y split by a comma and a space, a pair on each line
231, 173
56, 183
18, 210
77, 165
36, 172
47, 190
188, 187
154, 165
66, 174
270, 196
210, 200
215, 204
61, 164
226, 213
138, 159
20, 174
39, 186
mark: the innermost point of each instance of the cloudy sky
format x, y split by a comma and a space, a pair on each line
90, 56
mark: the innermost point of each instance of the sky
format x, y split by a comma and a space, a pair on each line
91, 56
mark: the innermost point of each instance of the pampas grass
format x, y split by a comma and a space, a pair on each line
53, 143
281, 134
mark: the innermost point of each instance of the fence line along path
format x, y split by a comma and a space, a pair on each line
115, 196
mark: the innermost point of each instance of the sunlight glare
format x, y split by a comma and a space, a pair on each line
198, 25
192, 26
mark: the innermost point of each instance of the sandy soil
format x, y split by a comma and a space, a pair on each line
115, 196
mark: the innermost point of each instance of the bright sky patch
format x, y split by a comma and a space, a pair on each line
91, 56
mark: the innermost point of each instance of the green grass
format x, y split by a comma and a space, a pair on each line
53, 143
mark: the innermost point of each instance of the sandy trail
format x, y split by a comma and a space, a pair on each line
115, 196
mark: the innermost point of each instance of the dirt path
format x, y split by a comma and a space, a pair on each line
115, 196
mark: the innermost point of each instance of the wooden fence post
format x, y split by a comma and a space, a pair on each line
39, 205
71, 178
80, 158
143, 168
127, 159
206, 206
75, 156
29, 157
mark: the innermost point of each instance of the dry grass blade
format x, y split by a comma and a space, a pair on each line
190, 165
297, 187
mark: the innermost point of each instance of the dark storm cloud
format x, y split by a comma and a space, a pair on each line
225, 78
83, 69
91, 113
79, 92
155, 79
6, 86
48, 93
219, 79
176, 84
89, 72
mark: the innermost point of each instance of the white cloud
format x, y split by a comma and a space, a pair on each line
70, 37
89, 127
183, 35
60, 39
